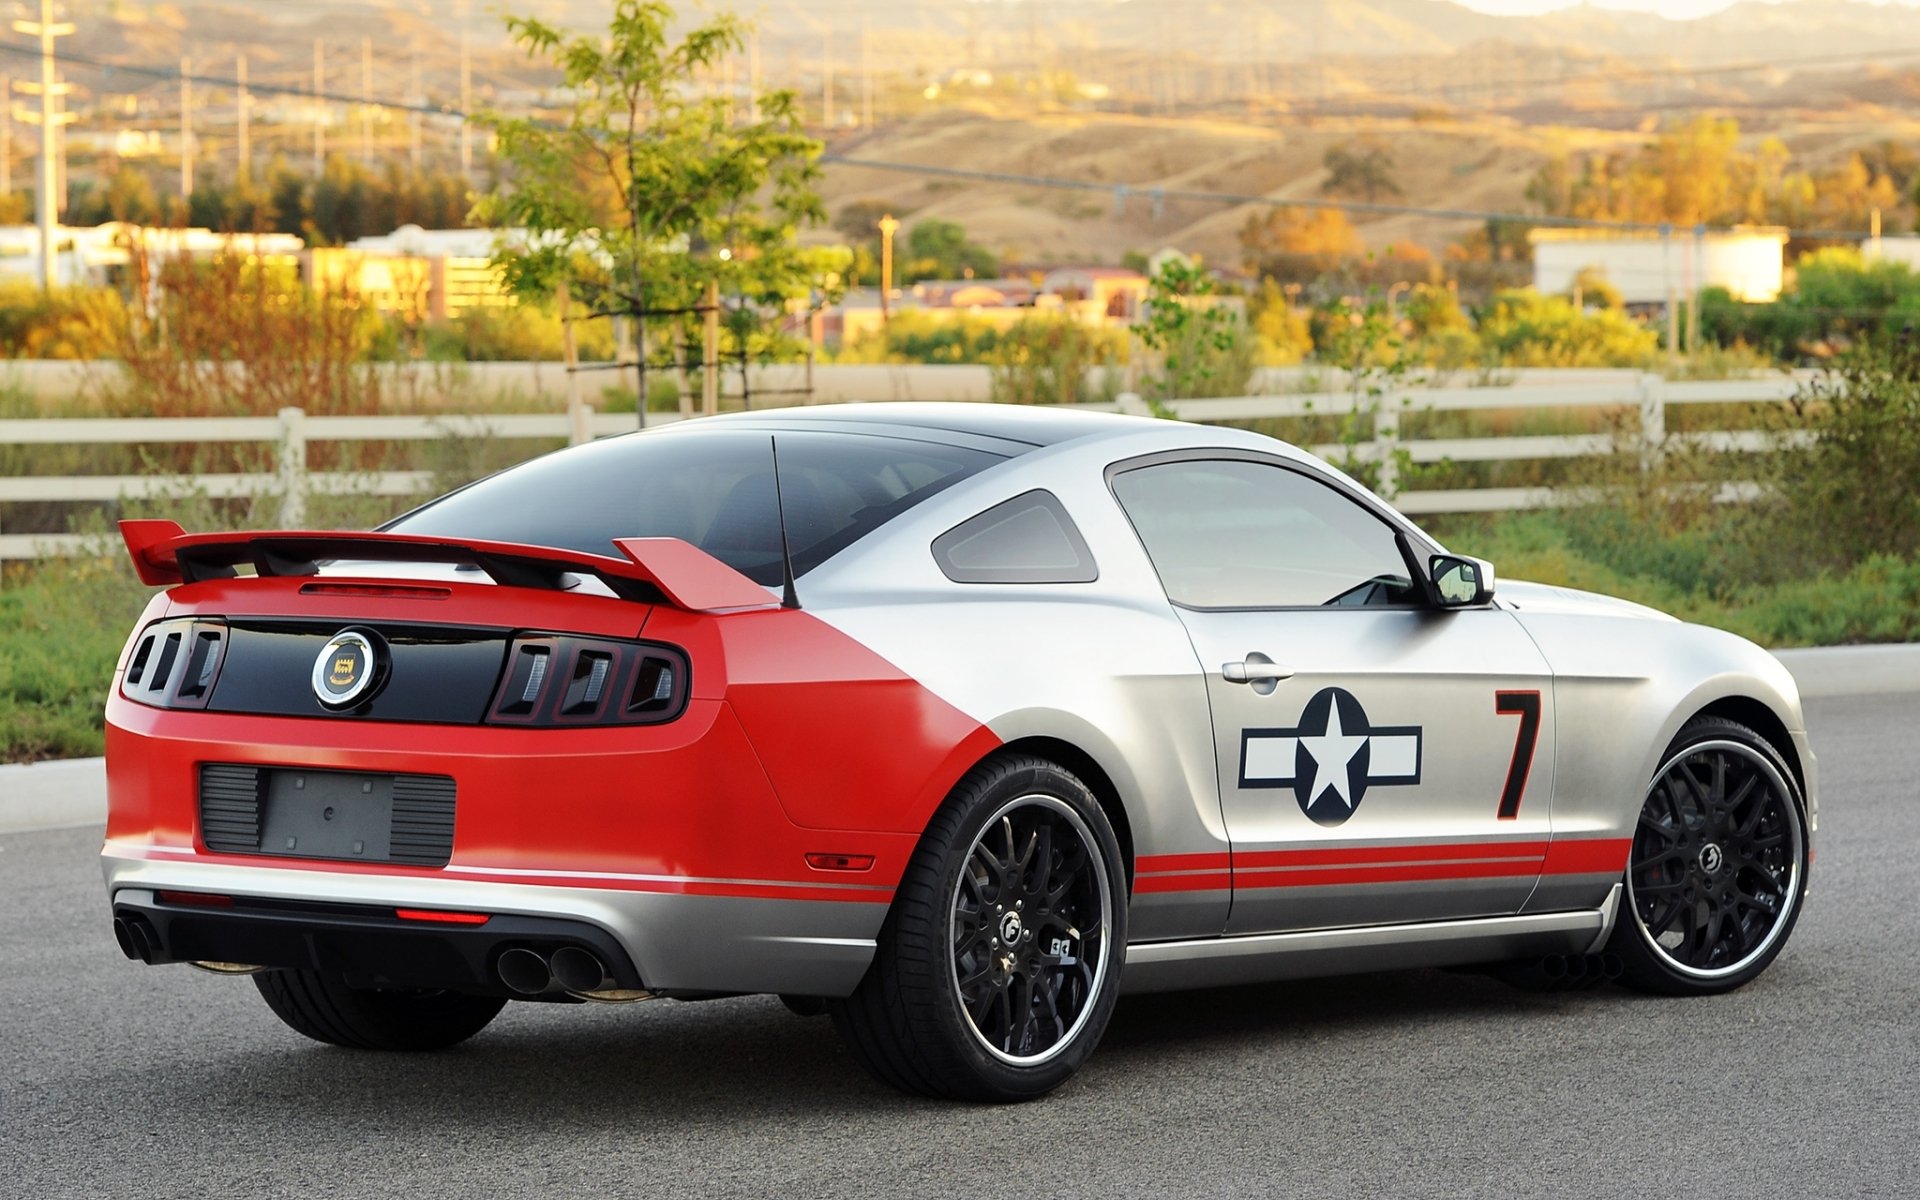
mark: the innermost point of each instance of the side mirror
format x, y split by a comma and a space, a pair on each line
1459, 581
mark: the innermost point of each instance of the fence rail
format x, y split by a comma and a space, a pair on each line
293, 431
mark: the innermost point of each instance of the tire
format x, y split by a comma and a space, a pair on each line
999, 963
1718, 869
325, 1009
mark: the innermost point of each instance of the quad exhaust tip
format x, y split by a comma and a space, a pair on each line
525, 971
578, 970
135, 938
574, 970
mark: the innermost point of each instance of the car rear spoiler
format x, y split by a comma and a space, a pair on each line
653, 570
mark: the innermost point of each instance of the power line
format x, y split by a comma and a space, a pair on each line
1157, 196
175, 76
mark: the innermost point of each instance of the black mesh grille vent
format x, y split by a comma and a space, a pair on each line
230, 807
421, 828
422, 820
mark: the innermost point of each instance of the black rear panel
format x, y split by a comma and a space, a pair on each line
445, 675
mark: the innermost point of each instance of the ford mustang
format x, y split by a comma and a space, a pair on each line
950, 721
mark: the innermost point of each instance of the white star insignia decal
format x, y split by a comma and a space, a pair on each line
1333, 753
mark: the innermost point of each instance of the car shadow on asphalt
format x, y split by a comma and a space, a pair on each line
672, 1065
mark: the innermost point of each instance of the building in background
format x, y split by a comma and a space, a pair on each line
1647, 268
100, 254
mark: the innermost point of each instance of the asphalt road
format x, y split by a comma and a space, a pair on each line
122, 1080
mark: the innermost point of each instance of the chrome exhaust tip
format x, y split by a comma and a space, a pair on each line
578, 970
524, 971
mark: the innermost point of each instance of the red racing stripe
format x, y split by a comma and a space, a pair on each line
1588, 856
1399, 873
1338, 865
1196, 881
1156, 864
1377, 855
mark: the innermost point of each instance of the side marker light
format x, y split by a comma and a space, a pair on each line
840, 862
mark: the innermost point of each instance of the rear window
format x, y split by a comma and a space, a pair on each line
711, 488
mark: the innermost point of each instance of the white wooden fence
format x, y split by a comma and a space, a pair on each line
293, 431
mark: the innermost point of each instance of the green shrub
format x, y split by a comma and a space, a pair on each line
1845, 490
1046, 360
1522, 328
515, 333
1877, 600
1195, 346
72, 323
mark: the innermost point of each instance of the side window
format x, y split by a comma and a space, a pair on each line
1228, 533
1028, 539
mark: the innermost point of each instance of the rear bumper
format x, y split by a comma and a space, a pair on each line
368, 946
669, 841
662, 942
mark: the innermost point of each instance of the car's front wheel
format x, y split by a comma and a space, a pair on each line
1718, 865
1000, 962
324, 1008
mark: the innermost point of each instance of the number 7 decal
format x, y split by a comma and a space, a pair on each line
1526, 706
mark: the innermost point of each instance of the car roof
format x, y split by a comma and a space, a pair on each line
957, 422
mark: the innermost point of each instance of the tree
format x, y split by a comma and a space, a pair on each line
1366, 170
1202, 346
940, 250
1296, 244
649, 190
859, 220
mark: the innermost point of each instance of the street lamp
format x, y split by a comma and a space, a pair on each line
888, 225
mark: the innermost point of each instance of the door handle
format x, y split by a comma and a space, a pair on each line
1254, 672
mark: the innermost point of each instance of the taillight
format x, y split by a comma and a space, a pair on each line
175, 663
555, 679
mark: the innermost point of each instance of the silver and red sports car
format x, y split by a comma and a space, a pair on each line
953, 721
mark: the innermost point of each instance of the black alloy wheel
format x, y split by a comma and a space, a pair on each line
1718, 865
1031, 910
998, 965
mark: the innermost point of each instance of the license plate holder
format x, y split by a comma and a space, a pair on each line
327, 814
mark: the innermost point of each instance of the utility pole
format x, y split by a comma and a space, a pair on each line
826, 77
319, 107
866, 73
888, 227
1673, 305
244, 173
414, 100
186, 128
366, 100
466, 106
49, 119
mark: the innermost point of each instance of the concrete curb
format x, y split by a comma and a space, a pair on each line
59, 795
53, 795
1853, 670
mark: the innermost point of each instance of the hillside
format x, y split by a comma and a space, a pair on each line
1482, 164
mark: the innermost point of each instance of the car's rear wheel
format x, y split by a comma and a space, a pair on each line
1718, 865
322, 1006
999, 964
